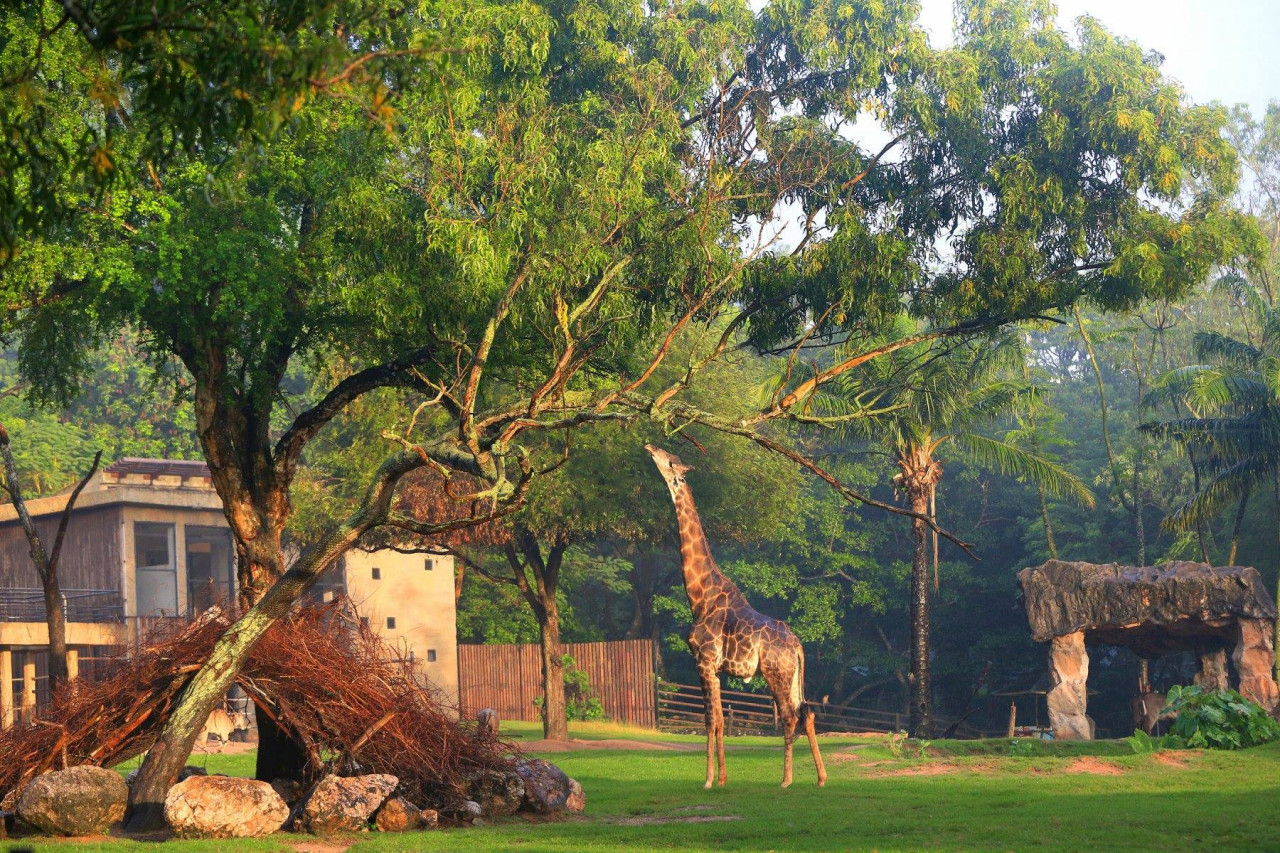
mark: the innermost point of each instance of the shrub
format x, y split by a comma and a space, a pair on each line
580, 704
1219, 719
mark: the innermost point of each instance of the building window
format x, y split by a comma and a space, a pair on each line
156, 569
210, 568
377, 574
391, 623
431, 655
430, 564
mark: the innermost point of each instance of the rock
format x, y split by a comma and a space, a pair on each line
345, 803
192, 770
428, 818
546, 787
499, 793
487, 722
183, 775
397, 815
577, 801
223, 807
75, 801
465, 812
1067, 701
1254, 657
1121, 604
290, 790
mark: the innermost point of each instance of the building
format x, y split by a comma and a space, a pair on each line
408, 599
147, 540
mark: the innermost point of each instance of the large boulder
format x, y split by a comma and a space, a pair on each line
75, 801
397, 815
223, 807
500, 793
546, 787
345, 803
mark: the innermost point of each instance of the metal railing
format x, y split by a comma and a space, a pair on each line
78, 605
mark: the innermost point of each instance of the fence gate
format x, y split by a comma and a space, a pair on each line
508, 678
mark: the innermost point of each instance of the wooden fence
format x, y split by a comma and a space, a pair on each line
681, 708
508, 678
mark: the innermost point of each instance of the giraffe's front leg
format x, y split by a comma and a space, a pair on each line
715, 719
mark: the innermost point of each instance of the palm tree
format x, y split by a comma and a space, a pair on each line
928, 397
1232, 399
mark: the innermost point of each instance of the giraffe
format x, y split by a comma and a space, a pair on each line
729, 636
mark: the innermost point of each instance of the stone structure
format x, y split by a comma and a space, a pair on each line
730, 636
1154, 610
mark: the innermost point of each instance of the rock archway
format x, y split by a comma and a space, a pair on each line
1154, 610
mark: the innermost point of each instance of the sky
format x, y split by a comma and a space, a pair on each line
1220, 50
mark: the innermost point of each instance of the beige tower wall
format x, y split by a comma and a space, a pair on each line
421, 603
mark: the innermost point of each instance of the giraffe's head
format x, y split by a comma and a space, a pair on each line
669, 466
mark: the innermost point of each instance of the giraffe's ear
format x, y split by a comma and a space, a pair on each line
681, 468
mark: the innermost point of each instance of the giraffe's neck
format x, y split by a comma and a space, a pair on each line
702, 577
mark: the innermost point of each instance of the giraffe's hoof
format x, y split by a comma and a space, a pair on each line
786, 783
822, 783
708, 785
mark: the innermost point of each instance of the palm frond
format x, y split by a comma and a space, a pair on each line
1017, 462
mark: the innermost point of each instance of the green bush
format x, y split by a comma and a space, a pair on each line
1219, 719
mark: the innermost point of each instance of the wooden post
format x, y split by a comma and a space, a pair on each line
1013, 717
28, 689
73, 664
6, 688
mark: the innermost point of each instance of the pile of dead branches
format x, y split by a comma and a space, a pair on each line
322, 674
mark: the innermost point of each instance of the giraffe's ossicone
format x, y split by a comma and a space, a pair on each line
730, 636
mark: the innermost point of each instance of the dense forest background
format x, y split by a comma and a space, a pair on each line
1167, 413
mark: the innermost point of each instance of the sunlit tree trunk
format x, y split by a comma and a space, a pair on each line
918, 479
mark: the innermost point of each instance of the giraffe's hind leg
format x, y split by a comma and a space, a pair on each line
788, 718
813, 744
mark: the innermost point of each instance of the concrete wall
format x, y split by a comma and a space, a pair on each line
419, 600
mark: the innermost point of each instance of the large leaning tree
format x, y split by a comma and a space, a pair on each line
549, 196
569, 186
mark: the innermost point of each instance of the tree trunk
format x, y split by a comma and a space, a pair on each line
921, 716
555, 720
1235, 529
919, 478
56, 619
1048, 527
168, 755
45, 559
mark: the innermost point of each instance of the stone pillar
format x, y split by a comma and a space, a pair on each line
1067, 699
1254, 657
6, 688
1213, 668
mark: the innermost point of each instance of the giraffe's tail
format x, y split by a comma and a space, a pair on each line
797, 684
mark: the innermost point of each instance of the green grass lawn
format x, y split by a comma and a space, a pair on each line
957, 795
